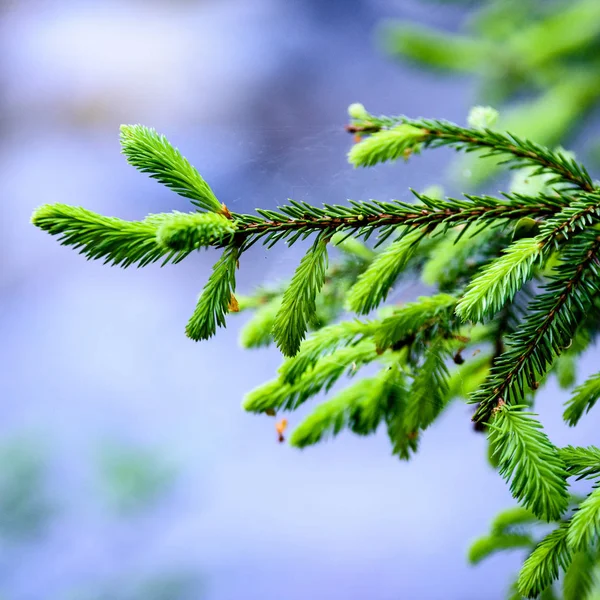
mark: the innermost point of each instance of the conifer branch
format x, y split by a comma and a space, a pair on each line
181, 231
585, 523
298, 303
552, 321
486, 255
257, 332
118, 242
288, 396
487, 545
385, 140
500, 281
583, 463
578, 580
530, 462
512, 518
363, 218
217, 298
375, 283
504, 277
151, 153
321, 343
428, 392
360, 407
544, 564
583, 400
427, 318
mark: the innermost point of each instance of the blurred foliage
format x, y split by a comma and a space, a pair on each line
25, 505
165, 586
134, 479
535, 59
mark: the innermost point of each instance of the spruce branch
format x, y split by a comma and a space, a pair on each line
133, 241
531, 262
375, 283
487, 545
583, 463
298, 219
278, 395
530, 462
552, 321
258, 331
321, 343
585, 523
428, 392
579, 580
544, 564
360, 407
583, 400
514, 151
298, 303
118, 242
181, 231
509, 520
387, 144
217, 298
498, 283
427, 317
151, 153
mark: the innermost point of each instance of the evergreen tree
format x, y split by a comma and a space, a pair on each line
517, 298
535, 59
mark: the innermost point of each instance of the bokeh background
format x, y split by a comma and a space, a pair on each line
128, 470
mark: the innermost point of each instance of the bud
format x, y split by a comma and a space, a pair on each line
482, 117
358, 111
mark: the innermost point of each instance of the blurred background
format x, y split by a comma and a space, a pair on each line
128, 470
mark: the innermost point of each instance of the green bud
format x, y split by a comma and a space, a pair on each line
482, 117
358, 111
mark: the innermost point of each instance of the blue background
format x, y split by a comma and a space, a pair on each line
143, 476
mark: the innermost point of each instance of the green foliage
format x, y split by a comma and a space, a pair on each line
387, 144
435, 49
458, 257
467, 378
258, 331
507, 520
360, 407
26, 506
498, 283
194, 230
565, 369
322, 343
582, 462
216, 300
374, 285
132, 479
551, 324
585, 524
277, 394
524, 264
299, 299
544, 564
426, 395
578, 581
530, 462
487, 545
151, 153
583, 399
416, 321
514, 151
119, 242
537, 58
